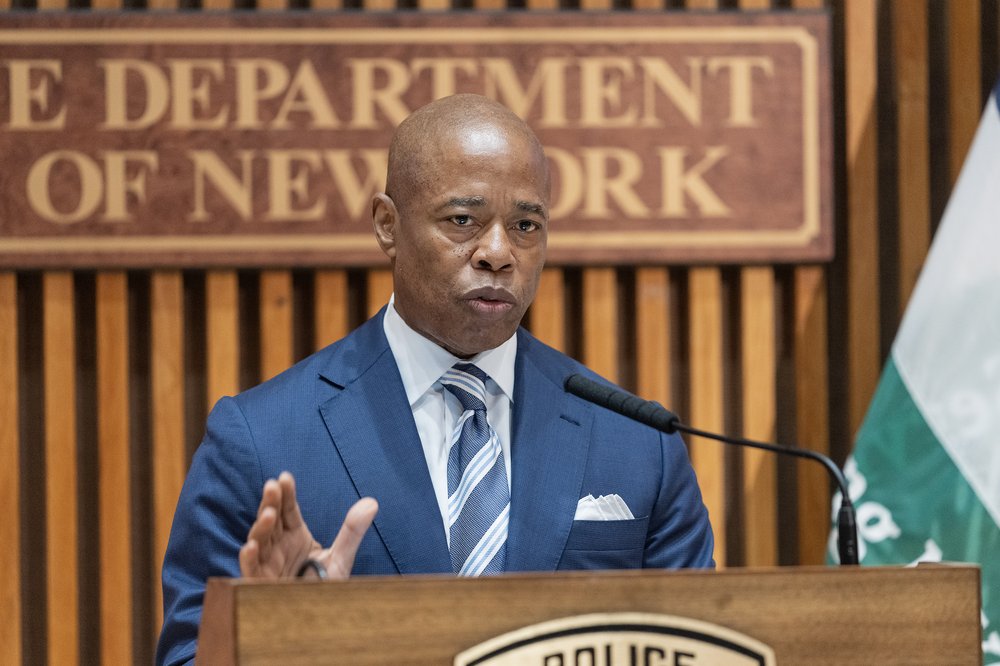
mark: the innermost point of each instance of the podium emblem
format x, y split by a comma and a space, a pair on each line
620, 639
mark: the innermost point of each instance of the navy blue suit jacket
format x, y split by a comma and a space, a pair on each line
340, 422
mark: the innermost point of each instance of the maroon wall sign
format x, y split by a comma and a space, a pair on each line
249, 140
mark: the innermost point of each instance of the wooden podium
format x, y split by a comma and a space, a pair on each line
809, 615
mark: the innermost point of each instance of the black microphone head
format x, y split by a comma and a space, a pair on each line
622, 402
586, 388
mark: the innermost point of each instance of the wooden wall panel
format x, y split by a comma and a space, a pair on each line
10, 475
964, 94
705, 331
168, 457
114, 468
62, 539
548, 312
762, 351
276, 335
330, 298
812, 419
910, 48
653, 334
222, 334
600, 321
758, 354
865, 358
379, 290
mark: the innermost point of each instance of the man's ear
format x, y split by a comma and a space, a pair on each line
385, 218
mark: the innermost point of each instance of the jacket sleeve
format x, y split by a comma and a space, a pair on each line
680, 534
217, 505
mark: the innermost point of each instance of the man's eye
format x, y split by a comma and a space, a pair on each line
461, 220
526, 225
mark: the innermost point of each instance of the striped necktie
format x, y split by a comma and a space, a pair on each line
478, 495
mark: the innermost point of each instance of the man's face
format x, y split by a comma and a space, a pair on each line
467, 241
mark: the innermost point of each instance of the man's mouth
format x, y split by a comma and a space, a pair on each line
490, 300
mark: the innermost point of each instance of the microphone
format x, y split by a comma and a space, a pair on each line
659, 417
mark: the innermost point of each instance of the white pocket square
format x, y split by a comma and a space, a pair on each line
605, 507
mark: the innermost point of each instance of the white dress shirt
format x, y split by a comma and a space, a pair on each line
421, 364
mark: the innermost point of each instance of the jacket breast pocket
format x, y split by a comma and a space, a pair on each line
605, 544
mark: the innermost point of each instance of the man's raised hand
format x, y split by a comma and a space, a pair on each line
280, 542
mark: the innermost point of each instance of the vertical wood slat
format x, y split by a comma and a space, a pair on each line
548, 311
760, 476
379, 289
330, 300
378, 5
222, 333
11, 620
652, 325
276, 341
168, 456
909, 22
705, 345
964, 104
812, 420
861, 80
600, 322
114, 468
61, 503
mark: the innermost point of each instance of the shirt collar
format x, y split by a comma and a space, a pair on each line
421, 361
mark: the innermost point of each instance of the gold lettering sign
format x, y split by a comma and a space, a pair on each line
259, 140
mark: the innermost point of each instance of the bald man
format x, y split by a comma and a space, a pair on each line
360, 445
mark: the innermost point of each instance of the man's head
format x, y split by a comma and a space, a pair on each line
464, 220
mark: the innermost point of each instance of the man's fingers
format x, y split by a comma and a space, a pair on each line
291, 516
249, 559
339, 559
270, 496
262, 532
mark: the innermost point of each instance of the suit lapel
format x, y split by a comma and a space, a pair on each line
370, 423
549, 444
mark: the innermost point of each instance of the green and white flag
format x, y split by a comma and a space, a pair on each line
925, 473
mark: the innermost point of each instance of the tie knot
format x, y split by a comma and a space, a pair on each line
467, 383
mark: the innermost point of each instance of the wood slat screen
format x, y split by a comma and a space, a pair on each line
108, 375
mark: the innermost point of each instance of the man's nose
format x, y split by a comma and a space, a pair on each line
494, 251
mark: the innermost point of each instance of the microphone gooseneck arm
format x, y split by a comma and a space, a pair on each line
656, 416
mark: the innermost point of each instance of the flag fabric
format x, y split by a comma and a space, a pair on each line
925, 472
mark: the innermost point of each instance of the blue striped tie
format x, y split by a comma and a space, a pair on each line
478, 496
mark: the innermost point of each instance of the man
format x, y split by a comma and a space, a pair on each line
440, 408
